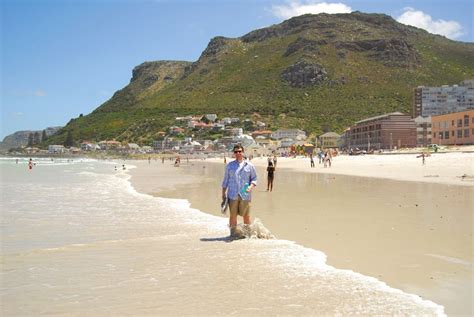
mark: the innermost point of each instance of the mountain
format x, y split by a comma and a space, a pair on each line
315, 72
20, 138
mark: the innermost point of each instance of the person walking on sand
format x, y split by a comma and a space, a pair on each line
270, 174
312, 160
240, 178
30, 164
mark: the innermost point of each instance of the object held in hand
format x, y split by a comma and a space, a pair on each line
224, 205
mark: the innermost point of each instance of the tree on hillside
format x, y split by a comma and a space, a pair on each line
36, 138
69, 140
30, 139
44, 137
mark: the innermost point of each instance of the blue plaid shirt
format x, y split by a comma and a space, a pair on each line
236, 177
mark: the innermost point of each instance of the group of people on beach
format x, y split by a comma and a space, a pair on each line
324, 157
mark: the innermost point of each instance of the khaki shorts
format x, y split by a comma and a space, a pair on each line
239, 207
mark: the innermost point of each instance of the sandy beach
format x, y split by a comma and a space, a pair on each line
386, 216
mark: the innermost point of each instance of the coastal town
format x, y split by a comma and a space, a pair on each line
441, 116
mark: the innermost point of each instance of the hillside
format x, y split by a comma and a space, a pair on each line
313, 72
20, 138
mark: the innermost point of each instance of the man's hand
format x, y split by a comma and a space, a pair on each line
249, 189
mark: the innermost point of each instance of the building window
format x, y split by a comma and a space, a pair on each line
466, 133
452, 133
466, 120
446, 135
459, 123
452, 123
459, 134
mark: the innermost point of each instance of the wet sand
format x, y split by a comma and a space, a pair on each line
415, 236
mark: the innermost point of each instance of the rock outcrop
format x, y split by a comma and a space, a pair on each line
305, 45
303, 74
391, 52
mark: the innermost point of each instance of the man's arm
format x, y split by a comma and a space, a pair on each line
225, 182
253, 178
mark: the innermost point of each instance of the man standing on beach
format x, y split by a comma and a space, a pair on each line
239, 179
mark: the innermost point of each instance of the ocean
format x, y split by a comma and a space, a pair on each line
77, 239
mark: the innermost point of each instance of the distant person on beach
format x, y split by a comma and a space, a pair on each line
30, 164
225, 160
270, 176
275, 161
320, 156
423, 155
239, 179
123, 167
312, 160
162, 160
327, 158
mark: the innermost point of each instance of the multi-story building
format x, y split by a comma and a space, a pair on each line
432, 101
294, 134
423, 131
329, 140
383, 132
453, 128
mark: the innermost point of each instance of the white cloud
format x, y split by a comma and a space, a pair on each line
450, 29
295, 8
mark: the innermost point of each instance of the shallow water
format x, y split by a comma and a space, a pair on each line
78, 239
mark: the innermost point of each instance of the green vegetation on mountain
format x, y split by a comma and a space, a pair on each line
313, 72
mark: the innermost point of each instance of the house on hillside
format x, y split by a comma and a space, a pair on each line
329, 140
109, 145
295, 134
56, 149
211, 117
286, 143
89, 146
133, 148
175, 130
263, 133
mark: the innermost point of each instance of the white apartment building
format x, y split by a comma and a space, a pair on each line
423, 131
295, 134
432, 101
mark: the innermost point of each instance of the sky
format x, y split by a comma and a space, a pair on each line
63, 58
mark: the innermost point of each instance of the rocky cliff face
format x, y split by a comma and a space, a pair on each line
147, 78
20, 138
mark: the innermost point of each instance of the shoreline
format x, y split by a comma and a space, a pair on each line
416, 235
453, 168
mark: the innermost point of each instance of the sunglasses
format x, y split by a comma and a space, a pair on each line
237, 151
